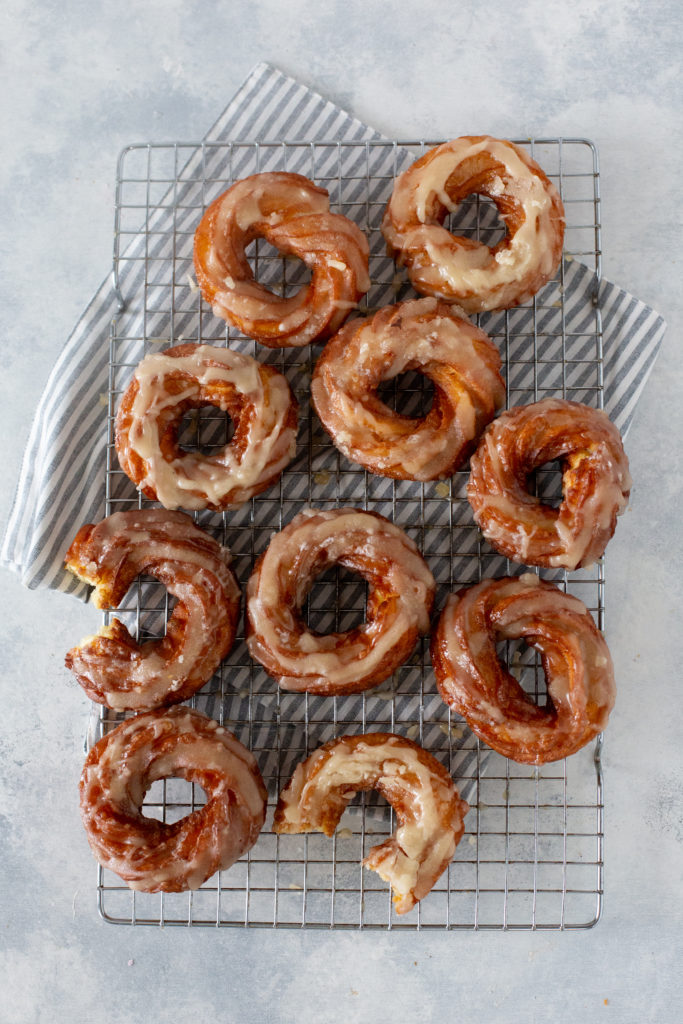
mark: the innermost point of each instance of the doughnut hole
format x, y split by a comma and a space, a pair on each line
479, 218
524, 663
546, 483
282, 274
336, 602
171, 799
205, 430
409, 394
146, 609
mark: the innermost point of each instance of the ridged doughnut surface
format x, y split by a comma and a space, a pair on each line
423, 335
428, 807
165, 386
461, 269
574, 655
400, 598
595, 483
293, 214
150, 855
112, 667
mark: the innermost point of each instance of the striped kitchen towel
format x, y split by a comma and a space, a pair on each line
61, 484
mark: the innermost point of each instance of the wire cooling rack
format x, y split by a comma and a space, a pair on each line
532, 855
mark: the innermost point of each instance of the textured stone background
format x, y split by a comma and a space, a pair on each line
80, 80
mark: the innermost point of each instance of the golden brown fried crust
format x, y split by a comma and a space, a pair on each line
153, 856
438, 262
292, 214
112, 667
242, 409
423, 335
429, 810
474, 683
400, 598
596, 483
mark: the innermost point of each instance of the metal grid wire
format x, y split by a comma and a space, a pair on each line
532, 854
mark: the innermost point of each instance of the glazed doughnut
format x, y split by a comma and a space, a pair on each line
423, 335
428, 807
111, 667
595, 483
574, 655
400, 598
166, 384
293, 214
151, 855
464, 270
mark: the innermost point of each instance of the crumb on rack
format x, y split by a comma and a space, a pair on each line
456, 731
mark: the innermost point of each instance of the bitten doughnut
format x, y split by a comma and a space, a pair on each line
293, 214
423, 335
428, 807
111, 667
575, 659
165, 386
461, 269
151, 855
595, 483
400, 598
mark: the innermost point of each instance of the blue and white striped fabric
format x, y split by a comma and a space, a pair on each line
61, 480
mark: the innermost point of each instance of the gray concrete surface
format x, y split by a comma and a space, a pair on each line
80, 80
